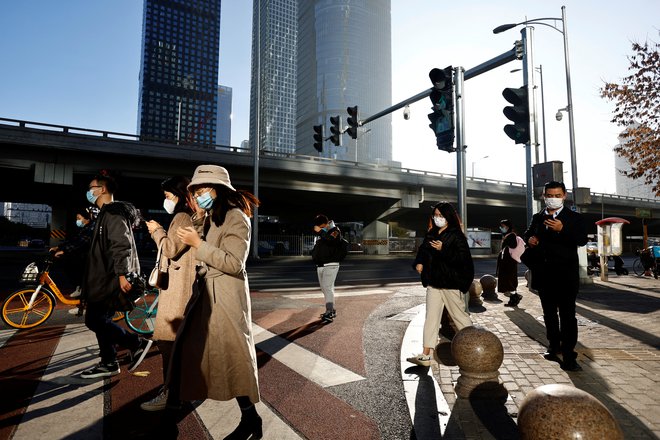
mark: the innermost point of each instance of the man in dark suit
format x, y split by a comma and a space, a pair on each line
555, 233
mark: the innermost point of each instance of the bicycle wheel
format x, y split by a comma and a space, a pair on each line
17, 314
142, 319
638, 268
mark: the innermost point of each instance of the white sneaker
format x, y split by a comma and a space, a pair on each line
76, 293
73, 311
423, 360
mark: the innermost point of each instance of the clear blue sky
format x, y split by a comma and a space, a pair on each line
76, 63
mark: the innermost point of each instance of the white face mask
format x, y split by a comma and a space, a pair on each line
504, 229
553, 203
440, 222
169, 206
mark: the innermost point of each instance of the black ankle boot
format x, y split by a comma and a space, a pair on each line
248, 429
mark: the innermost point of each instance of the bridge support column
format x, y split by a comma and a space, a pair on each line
375, 238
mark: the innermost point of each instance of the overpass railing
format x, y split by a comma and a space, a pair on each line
278, 154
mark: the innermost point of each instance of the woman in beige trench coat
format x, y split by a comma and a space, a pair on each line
215, 347
179, 260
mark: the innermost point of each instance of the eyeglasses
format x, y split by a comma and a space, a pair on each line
94, 186
201, 191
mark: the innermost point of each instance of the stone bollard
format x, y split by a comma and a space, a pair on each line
475, 293
562, 411
488, 284
479, 355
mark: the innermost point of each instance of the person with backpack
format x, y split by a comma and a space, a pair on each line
111, 263
329, 250
507, 263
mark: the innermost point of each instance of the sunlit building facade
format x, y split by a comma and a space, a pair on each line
179, 71
345, 59
273, 88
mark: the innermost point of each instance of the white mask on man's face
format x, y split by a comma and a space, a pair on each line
553, 203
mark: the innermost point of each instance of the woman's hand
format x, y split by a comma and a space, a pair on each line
189, 236
419, 268
436, 244
152, 225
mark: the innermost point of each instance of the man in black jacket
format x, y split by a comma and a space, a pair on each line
556, 232
112, 257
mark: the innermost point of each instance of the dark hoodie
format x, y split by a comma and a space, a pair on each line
112, 253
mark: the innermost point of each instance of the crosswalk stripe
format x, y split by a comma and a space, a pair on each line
310, 365
5, 335
421, 401
60, 392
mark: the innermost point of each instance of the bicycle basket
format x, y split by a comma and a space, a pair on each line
30, 273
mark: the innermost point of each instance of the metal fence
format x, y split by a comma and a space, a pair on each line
275, 244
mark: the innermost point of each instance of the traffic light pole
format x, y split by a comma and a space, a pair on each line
528, 80
459, 73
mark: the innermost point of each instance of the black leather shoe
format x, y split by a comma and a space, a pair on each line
551, 356
571, 365
249, 428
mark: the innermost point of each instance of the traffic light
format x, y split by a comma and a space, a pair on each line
335, 129
318, 138
518, 113
442, 98
353, 121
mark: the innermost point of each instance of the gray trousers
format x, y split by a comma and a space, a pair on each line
327, 276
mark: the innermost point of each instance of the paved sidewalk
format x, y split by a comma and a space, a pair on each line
618, 346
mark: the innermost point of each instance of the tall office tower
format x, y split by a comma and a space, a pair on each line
274, 37
179, 70
345, 59
223, 128
625, 186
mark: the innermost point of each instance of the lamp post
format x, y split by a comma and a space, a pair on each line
569, 94
356, 142
475, 161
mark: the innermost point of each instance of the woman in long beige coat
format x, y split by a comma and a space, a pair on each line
214, 350
179, 259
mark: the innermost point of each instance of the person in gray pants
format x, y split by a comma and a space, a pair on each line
328, 251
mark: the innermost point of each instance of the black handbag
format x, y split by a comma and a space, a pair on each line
532, 257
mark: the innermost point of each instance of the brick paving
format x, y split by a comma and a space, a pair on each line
618, 348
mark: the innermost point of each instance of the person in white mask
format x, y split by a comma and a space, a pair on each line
554, 234
445, 265
178, 259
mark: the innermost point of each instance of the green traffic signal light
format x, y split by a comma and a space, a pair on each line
442, 99
318, 138
518, 112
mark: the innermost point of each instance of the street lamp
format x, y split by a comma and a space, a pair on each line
569, 94
356, 142
475, 161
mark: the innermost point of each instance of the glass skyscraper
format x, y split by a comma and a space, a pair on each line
273, 89
223, 128
179, 71
345, 59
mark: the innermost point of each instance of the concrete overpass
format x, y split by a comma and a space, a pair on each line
42, 163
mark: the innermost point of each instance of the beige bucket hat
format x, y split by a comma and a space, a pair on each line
211, 174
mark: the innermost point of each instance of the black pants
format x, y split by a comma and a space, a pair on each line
99, 320
558, 303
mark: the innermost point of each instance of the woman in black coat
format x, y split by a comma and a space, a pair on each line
445, 265
507, 266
